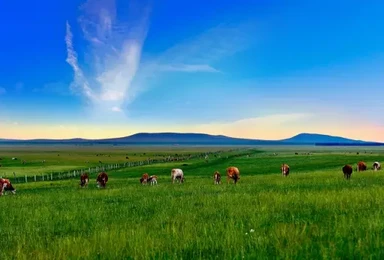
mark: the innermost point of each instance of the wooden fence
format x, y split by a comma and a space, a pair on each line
94, 170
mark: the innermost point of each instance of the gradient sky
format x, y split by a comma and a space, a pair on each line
254, 69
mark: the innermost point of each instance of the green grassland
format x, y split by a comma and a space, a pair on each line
46, 159
312, 214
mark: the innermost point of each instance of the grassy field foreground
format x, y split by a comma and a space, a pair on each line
312, 214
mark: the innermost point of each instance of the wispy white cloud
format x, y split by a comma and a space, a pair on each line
212, 45
80, 82
118, 73
199, 53
2, 91
115, 49
265, 126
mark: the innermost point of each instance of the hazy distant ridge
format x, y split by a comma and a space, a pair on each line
199, 138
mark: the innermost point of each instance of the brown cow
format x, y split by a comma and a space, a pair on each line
217, 177
285, 170
347, 170
233, 173
102, 179
144, 178
84, 179
361, 166
6, 185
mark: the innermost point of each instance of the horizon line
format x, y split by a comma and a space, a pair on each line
183, 133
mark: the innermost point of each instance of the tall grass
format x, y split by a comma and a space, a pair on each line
312, 214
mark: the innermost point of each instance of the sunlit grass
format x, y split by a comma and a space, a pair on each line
312, 214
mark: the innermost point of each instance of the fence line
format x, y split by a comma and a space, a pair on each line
94, 170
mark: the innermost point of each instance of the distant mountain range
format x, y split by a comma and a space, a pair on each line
199, 139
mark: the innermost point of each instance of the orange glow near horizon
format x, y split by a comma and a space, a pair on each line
249, 128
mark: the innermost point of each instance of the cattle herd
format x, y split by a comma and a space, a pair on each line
361, 166
233, 173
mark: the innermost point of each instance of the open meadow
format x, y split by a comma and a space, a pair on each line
314, 213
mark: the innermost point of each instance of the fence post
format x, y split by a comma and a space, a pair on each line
51, 176
26, 179
42, 176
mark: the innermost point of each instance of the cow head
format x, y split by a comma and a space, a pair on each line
7, 186
235, 178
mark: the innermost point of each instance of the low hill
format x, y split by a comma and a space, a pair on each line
169, 138
308, 138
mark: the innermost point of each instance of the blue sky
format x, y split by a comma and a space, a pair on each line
256, 69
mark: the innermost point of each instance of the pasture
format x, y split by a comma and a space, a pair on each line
312, 214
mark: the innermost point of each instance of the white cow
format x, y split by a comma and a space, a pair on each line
376, 166
152, 180
177, 174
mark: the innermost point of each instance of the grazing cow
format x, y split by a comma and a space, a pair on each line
217, 177
347, 170
152, 179
285, 170
102, 179
84, 179
144, 178
361, 166
6, 185
233, 173
376, 166
177, 174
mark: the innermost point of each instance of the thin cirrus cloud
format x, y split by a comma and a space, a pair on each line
116, 58
119, 74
